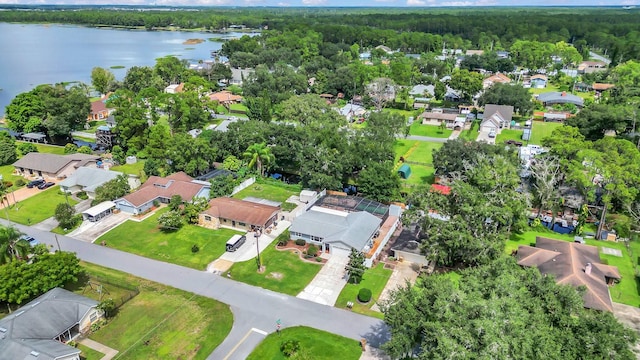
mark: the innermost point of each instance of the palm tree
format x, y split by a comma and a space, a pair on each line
12, 245
259, 155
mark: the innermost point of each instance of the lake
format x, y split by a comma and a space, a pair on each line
35, 54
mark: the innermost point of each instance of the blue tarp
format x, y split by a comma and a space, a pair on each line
276, 176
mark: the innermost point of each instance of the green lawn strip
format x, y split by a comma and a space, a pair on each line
287, 206
373, 279
550, 87
238, 107
625, 292
471, 134
509, 134
270, 190
50, 149
7, 175
146, 239
319, 345
540, 130
429, 130
420, 175
88, 353
65, 231
424, 152
402, 146
284, 271
131, 169
163, 323
38, 207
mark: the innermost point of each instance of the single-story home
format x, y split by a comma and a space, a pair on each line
452, 121
238, 76
422, 91
538, 81
384, 48
496, 117
588, 67
99, 110
53, 166
494, 79
174, 88
575, 264
335, 230
225, 98
352, 111
556, 97
407, 246
87, 180
161, 189
98, 212
238, 214
41, 328
600, 87
474, 52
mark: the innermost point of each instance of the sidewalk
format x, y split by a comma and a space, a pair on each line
108, 352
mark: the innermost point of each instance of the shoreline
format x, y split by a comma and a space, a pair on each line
142, 28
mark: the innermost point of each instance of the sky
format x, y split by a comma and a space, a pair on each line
330, 3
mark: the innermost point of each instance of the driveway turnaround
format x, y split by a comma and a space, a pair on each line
326, 285
255, 310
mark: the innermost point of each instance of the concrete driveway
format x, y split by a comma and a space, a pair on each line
484, 136
402, 273
89, 231
20, 194
327, 284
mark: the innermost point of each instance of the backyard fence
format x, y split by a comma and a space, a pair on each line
243, 185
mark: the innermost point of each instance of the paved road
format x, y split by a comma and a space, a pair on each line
253, 307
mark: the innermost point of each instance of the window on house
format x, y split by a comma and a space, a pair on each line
207, 218
93, 317
316, 238
242, 224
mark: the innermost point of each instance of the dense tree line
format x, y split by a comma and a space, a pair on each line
408, 30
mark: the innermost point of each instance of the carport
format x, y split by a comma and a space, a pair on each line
99, 211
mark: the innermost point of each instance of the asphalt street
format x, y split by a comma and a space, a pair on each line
255, 310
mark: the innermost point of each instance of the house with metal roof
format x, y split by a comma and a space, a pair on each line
238, 214
573, 264
556, 97
40, 329
335, 230
87, 180
53, 166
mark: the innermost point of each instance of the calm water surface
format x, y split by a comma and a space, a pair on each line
34, 54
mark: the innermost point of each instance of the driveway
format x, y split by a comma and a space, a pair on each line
630, 316
20, 194
89, 231
327, 284
484, 136
248, 251
255, 309
402, 273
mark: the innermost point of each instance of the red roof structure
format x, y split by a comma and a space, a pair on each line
442, 189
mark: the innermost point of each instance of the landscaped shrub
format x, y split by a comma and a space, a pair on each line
319, 259
19, 183
282, 242
301, 242
82, 195
195, 248
312, 250
290, 347
364, 295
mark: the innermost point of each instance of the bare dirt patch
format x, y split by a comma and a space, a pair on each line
164, 243
275, 275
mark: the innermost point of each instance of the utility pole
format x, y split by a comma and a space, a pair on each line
57, 242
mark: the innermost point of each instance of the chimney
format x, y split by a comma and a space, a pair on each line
564, 93
587, 269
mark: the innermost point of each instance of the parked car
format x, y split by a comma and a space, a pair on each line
34, 183
513, 142
46, 185
492, 133
32, 241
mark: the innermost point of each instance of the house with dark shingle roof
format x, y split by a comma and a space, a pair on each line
161, 189
238, 214
53, 166
40, 329
573, 264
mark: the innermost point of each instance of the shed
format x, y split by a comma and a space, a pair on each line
404, 171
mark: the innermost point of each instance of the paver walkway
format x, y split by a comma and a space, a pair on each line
326, 285
108, 352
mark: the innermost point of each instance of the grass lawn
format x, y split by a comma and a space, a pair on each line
270, 190
7, 175
472, 133
88, 353
65, 231
38, 207
508, 134
402, 146
421, 175
146, 239
284, 271
237, 107
625, 292
317, 344
417, 151
374, 279
162, 322
550, 87
429, 130
133, 169
540, 130
423, 152
51, 149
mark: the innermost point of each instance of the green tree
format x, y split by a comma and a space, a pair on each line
231, 163
258, 108
102, 79
25, 148
500, 310
355, 267
21, 281
26, 112
171, 69
379, 182
175, 202
12, 245
112, 190
596, 119
170, 221
259, 156
8, 154
222, 186
65, 214
84, 150
70, 148
108, 307
467, 82
508, 94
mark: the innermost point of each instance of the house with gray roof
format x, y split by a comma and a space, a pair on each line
88, 180
556, 97
53, 166
496, 117
334, 230
40, 329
